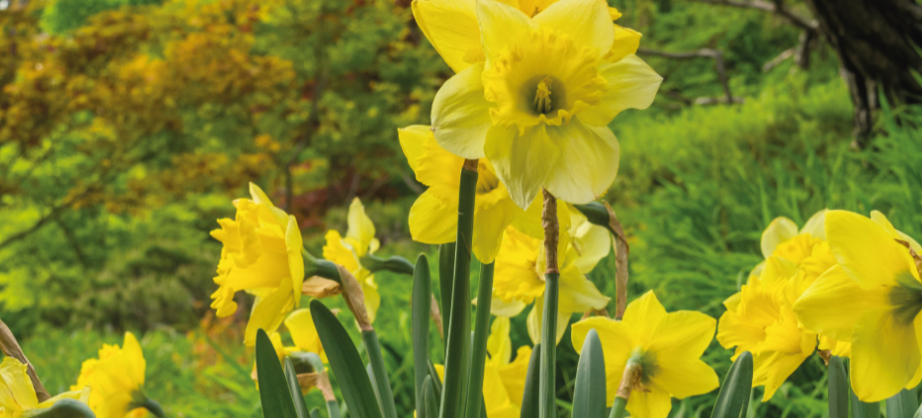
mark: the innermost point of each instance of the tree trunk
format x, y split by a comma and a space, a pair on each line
876, 42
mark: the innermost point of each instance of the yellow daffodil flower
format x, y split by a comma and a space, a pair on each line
512, 373
116, 379
433, 217
538, 102
17, 395
872, 298
261, 255
359, 241
764, 324
668, 348
520, 267
301, 326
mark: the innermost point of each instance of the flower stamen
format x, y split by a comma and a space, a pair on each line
543, 96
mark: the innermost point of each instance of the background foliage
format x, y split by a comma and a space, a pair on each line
127, 126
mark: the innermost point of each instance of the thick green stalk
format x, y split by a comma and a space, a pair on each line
837, 382
481, 333
314, 266
458, 334
419, 309
396, 264
381, 381
547, 402
902, 405
617, 410
446, 273
863, 409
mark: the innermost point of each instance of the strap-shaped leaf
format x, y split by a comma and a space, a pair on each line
273, 389
346, 363
436, 381
530, 396
734, 393
902, 405
315, 413
863, 409
479, 347
589, 398
446, 275
381, 382
292, 378
419, 307
838, 388
429, 407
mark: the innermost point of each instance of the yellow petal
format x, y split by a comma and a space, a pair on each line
461, 115
261, 199
866, 251
361, 230
579, 294
654, 403
502, 308
592, 242
882, 220
435, 167
500, 24
816, 225
372, 297
269, 311
413, 139
494, 393
732, 302
772, 368
515, 276
626, 43
586, 21
588, 162
522, 161
835, 303
684, 379
16, 391
535, 321
632, 84
533, 7
780, 230
489, 223
642, 316
617, 345
294, 246
451, 27
499, 345
681, 337
134, 364
513, 375
336, 252
885, 355
301, 326
432, 221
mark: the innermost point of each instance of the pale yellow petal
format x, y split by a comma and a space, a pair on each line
300, 325
834, 304
16, 389
588, 163
593, 243
502, 308
432, 220
372, 297
522, 162
536, 325
513, 375
294, 246
882, 220
461, 115
654, 403
499, 345
360, 229
587, 22
336, 252
490, 220
500, 24
681, 338
451, 27
413, 139
780, 230
632, 84
885, 355
684, 379
866, 251
626, 43
578, 294
816, 225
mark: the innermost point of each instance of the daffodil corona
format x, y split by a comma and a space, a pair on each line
665, 346
116, 380
536, 88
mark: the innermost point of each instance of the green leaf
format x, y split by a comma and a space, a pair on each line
547, 392
530, 395
436, 381
292, 377
419, 307
64, 408
479, 349
382, 383
333, 409
446, 275
590, 395
458, 334
396, 264
863, 409
902, 405
346, 363
273, 389
838, 388
429, 407
315, 413
734, 393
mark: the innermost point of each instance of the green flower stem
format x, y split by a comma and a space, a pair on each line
547, 405
596, 214
314, 266
838, 388
458, 334
394, 264
64, 408
481, 333
446, 267
382, 383
152, 406
617, 410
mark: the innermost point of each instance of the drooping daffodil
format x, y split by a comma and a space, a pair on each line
348, 251
872, 298
537, 86
665, 346
433, 217
261, 255
116, 380
17, 395
520, 268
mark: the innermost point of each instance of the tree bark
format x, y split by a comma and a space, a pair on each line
876, 43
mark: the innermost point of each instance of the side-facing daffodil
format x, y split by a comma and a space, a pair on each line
520, 267
433, 217
17, 395
539, 103
665, 346
301, 327
872, 298
116, 380
512, 373
359, 241
261, 255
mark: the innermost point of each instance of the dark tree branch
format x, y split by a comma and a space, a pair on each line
714, 54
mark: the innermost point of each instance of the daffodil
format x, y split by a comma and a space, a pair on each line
359, 241
871, 298
667, 346
116, 380
520, 266
261, 255
300, 325
536, 98
433, 217
17, 395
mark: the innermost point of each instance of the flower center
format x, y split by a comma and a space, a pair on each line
543, 97
486, 179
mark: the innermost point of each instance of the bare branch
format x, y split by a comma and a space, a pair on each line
11, 348
776, 7
714, 54
788, 53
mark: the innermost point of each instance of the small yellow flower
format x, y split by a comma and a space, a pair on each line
359, 241
17, 395
304, 334
261, 255
536, 98
116, 379
668, 348
872, 298
433, 217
